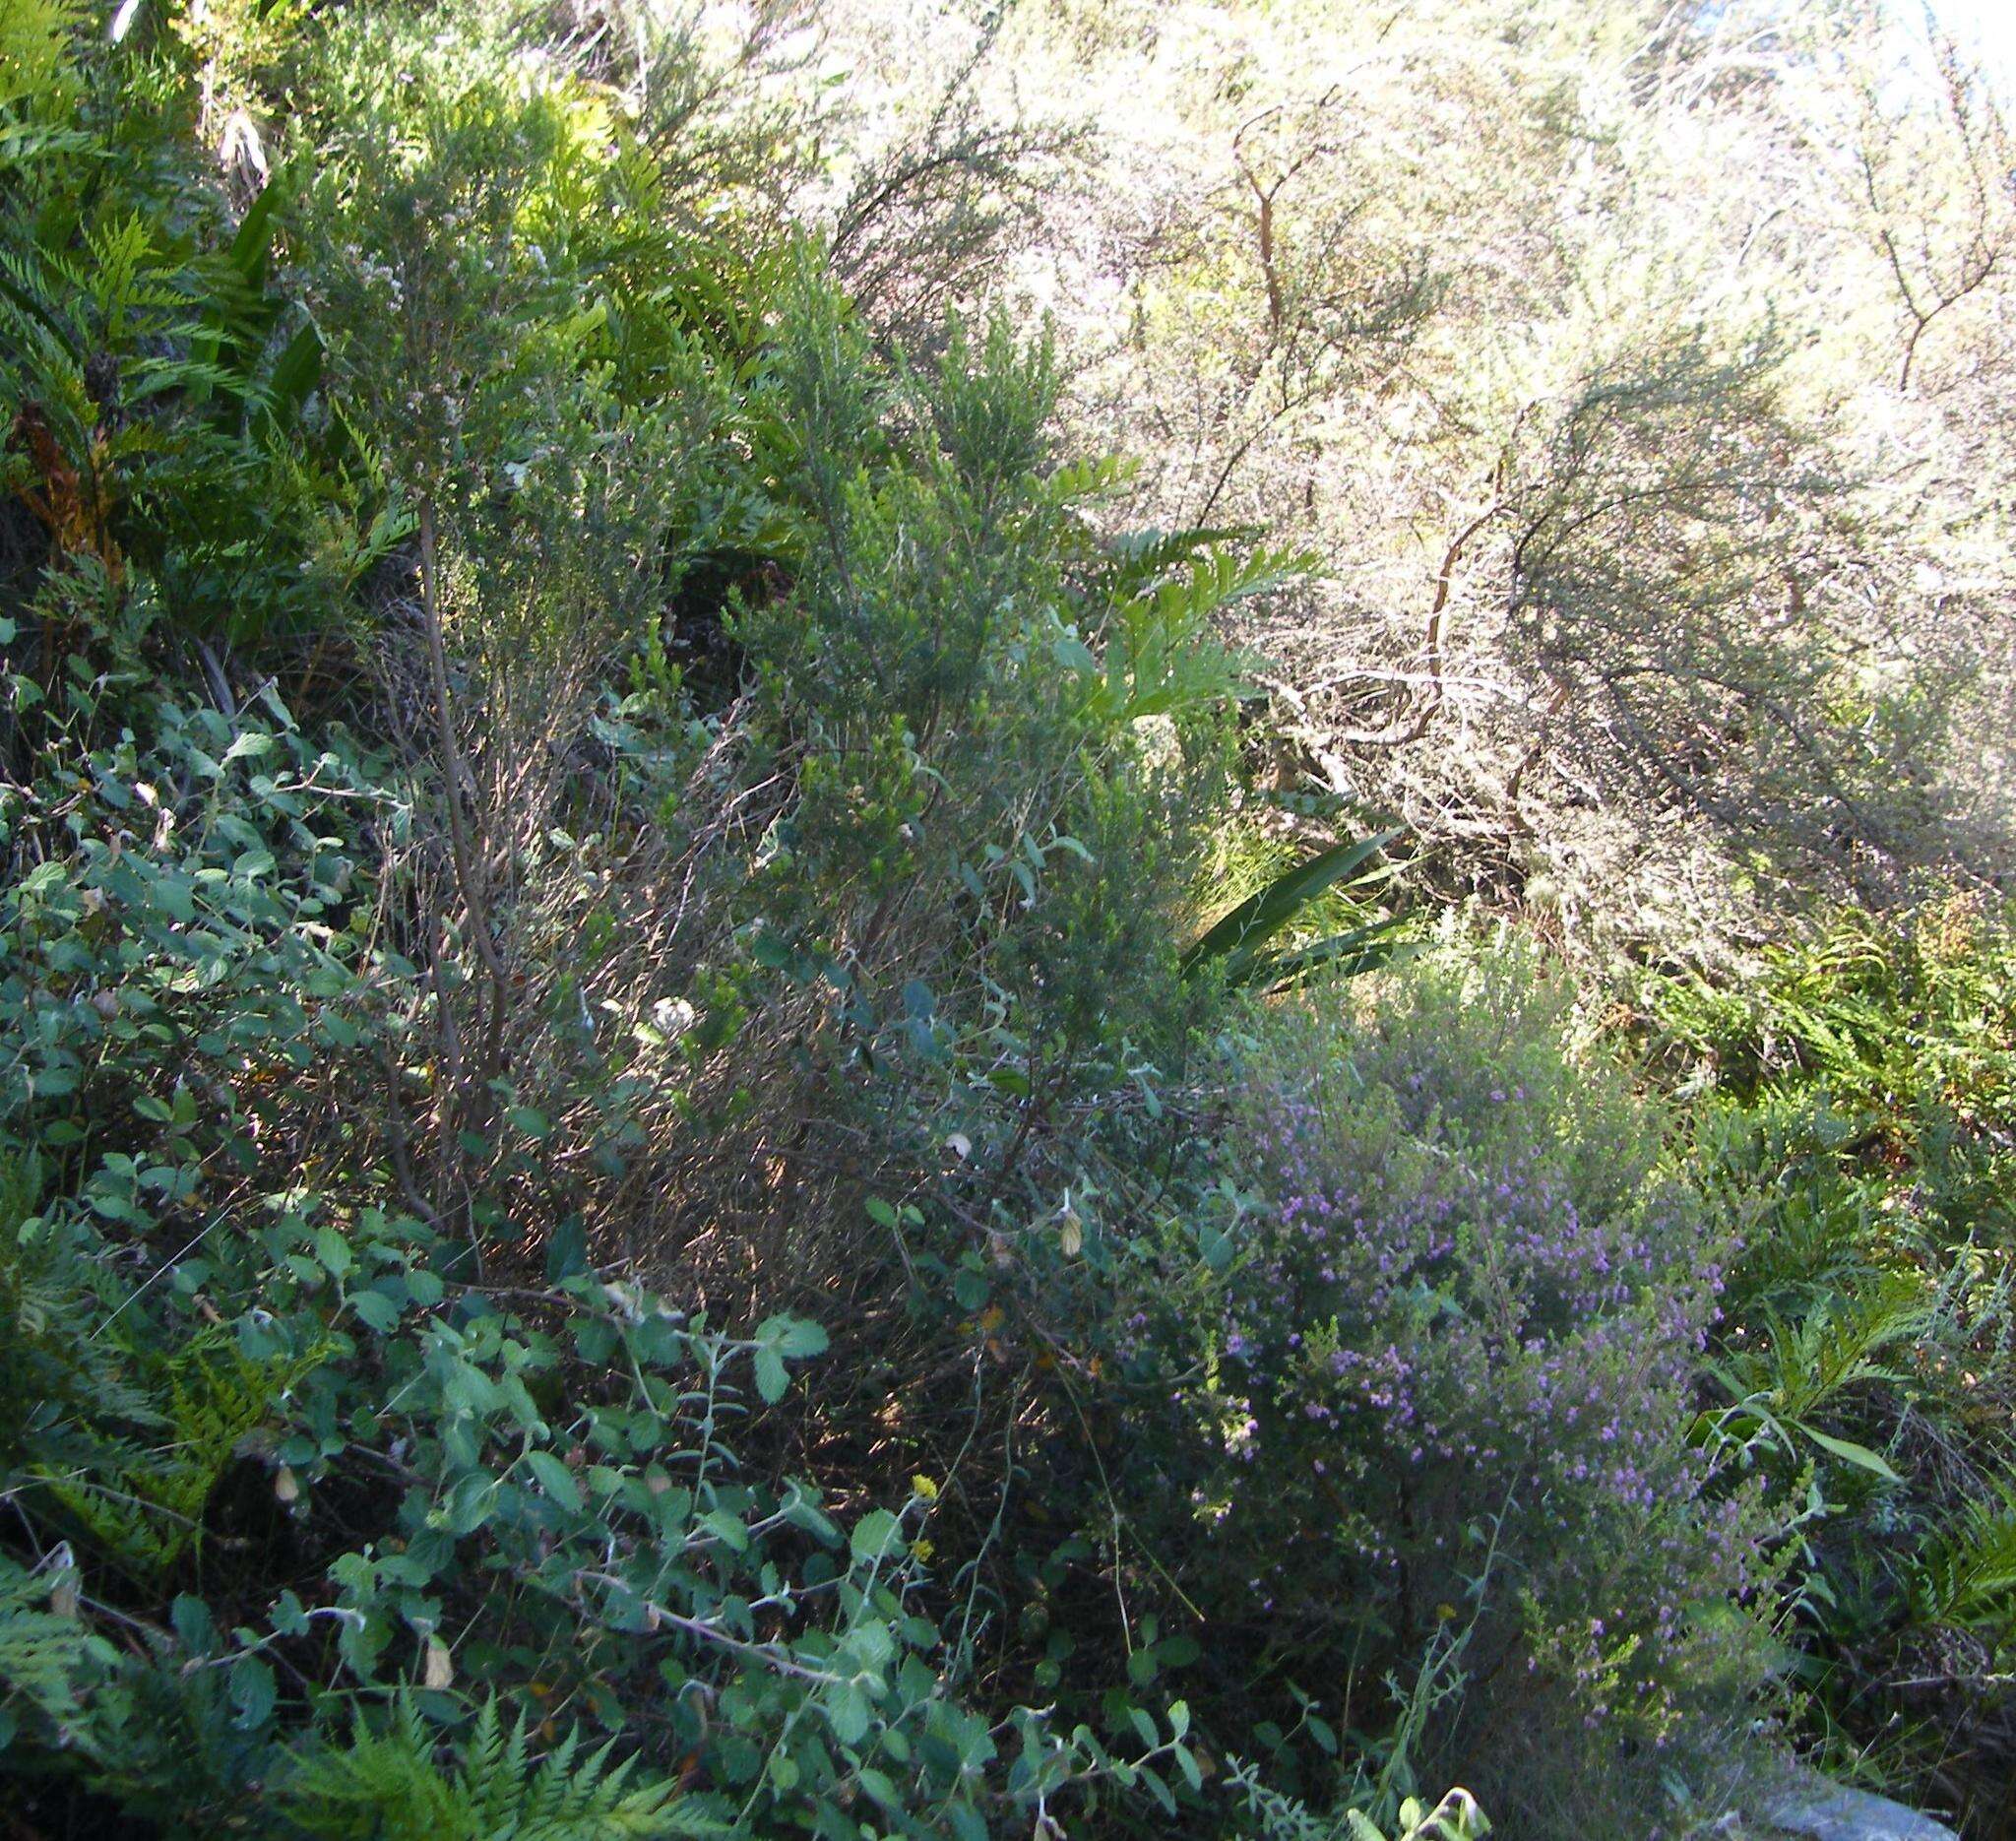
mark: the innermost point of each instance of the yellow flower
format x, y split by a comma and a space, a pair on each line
926, 1489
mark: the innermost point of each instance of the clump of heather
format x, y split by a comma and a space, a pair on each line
1451, 1370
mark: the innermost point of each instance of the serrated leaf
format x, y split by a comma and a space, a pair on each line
793, 1337
253, 1695
376, 1309
555, 1478
876, 1534
847, 1709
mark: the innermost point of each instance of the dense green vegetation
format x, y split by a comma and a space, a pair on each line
717, 1118
1865, 1139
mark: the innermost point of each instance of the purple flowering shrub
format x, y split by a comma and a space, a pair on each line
1449, 1375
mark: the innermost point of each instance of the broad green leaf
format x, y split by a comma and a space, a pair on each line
1852, 1453
773, 1379
376, 1309
875, 1535
555, 1478
793, 1337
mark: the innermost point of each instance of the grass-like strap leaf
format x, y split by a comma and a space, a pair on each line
1262, 914
1361, 949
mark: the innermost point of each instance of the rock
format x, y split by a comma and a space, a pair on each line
1822, 1811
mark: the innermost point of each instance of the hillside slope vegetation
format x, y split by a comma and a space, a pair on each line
750, 1087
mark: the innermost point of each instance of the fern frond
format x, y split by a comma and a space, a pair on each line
395, 1785
48, 1657
35, 42
36, 290
1964, 1571
1161, 655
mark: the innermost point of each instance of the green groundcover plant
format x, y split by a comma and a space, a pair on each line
1860, 1085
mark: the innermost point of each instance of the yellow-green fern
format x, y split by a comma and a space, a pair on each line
147, 1509
400, 1783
